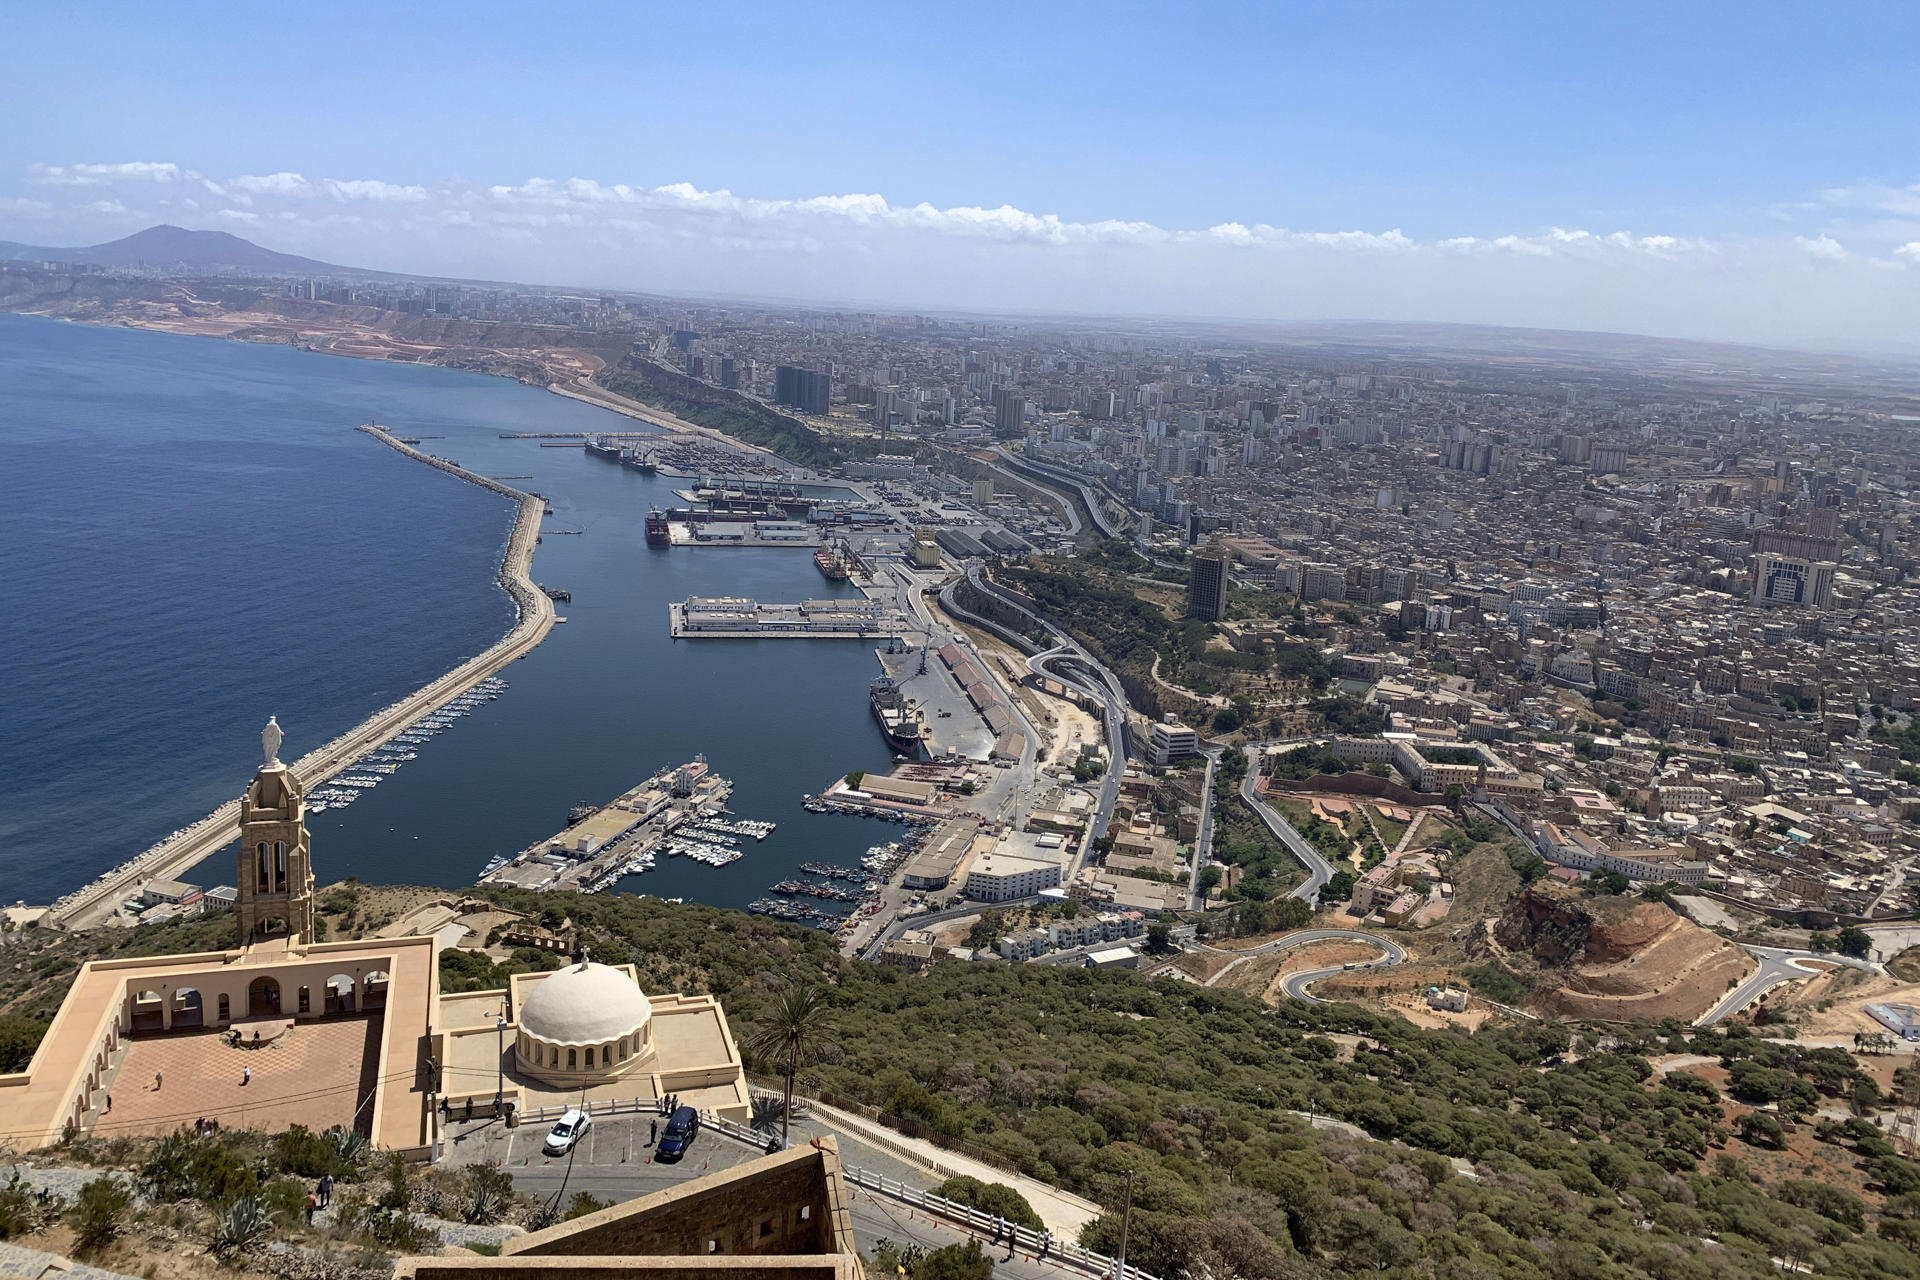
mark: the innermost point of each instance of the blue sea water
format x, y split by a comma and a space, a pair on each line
196, 538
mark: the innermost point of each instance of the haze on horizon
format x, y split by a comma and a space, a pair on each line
1738, 173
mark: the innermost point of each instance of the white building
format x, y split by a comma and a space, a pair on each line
1171, 740
1001, 877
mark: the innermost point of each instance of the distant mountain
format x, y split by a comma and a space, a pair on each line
168, 246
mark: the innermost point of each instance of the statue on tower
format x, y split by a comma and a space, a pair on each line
270, 741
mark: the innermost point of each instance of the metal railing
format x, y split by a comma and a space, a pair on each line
1022, 1239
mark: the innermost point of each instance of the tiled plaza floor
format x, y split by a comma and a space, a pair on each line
319, 1074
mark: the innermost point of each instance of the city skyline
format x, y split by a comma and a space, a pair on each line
1219, 163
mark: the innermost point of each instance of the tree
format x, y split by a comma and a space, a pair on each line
1759, 1129
1159, 937
955, 1262
1855, 942
799, 1022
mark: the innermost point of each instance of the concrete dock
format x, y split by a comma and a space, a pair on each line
743, 618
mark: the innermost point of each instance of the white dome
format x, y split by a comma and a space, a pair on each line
584, 1003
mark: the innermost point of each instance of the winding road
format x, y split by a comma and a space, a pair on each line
1296, 984
1319, 870
1777, 965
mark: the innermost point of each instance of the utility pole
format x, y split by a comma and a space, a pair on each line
1126, 1216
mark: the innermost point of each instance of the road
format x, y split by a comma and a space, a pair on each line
1319, 870
1777, 965
1203, 842
1295, 986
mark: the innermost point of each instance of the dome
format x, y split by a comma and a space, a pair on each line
584, 1003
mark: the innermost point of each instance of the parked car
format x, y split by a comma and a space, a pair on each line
568, 1131
682, 1127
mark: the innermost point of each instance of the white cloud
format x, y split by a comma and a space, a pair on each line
89, 175
1824, 247
372, 189
862, 247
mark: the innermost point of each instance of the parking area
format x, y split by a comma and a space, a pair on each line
614, 1163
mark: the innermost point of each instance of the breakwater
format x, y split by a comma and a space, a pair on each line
534, 612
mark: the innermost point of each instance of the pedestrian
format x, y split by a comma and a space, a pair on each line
446, 1108
653, 1132
999, 1226
326, 1190
1046, 1242
313, 1203
1013, 1237
109, 1110
246, 1075
156, 1082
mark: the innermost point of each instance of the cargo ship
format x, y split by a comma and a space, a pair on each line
898, 721
657, 534
830, 563
602, 448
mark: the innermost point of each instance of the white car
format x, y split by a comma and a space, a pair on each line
569, 1130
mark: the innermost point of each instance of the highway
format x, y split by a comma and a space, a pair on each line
1319, 870
1296, 985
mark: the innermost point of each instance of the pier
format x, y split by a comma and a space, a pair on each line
621, 837
738, 618
171, 857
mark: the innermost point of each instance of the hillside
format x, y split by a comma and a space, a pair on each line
171, 246
1600, 1168
1615, 959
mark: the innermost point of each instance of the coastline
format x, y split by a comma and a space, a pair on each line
93, 902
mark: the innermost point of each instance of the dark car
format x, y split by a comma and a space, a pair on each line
682, 1127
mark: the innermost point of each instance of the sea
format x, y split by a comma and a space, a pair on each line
197, 538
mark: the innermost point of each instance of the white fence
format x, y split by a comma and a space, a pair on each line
1024, 1241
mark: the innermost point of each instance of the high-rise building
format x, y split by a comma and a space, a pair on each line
1009, 413
1207, 583
804, 389
1788, 581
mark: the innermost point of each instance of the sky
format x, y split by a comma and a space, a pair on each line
1743, 172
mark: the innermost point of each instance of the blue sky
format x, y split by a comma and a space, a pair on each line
1752, 167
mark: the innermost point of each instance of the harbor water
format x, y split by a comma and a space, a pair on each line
199, 538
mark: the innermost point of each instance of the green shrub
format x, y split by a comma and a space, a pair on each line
99, 1213
990, 1197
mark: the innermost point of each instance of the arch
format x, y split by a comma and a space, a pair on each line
263, 996
606, 1054
373, 990
188, 1008
573, 1060
342, 994
149, 1010
306, 999
554, 1060
260, 850
226, 1009
623, 1048
280, 866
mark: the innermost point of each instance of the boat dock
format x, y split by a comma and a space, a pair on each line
622, 837
741, 617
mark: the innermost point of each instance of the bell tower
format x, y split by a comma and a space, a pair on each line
275, 873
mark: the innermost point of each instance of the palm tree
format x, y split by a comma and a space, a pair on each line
797, 1024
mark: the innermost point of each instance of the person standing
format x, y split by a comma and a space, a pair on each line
156, 1082
1046, 1242
326, 1190
653, 1132
999, 1227
109, 1110
313, 1203
246, 1076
